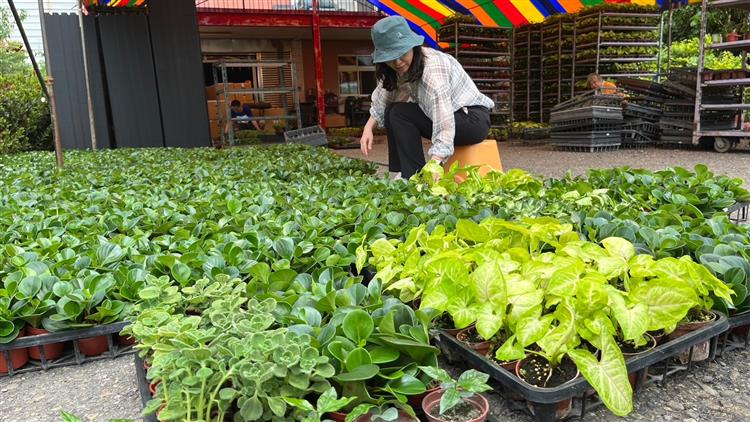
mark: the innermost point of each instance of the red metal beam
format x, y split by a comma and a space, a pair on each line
277, 19
318, 53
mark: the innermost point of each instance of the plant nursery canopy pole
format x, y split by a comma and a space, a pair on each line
90, 103
318, 51
50, 83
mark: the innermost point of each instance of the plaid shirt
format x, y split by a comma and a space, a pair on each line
444, 89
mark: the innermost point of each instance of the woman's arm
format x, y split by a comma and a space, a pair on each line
436, 82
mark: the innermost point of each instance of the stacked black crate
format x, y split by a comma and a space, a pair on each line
642, 111
589, 122
677, 121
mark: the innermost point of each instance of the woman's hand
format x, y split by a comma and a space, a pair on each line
365, 142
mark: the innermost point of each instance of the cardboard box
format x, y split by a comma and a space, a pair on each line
215, 108
335, 120
215, 131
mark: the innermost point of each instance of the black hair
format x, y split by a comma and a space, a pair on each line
236, 103
389, 77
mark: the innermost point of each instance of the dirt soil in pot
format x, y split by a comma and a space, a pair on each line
536, 371
463, 411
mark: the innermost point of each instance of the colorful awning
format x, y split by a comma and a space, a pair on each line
426, 16
113, 3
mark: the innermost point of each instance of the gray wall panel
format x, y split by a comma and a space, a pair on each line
131, 81
66, 66
97, 83
179, 72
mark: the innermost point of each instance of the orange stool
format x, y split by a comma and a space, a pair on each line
485, 154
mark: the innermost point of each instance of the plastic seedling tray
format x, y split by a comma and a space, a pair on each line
641, 112
588, 112
634, 138
647, 128
312, 135
738, 212
544, 399
140, 376
731, 342
594, 125
603, 138
72, 354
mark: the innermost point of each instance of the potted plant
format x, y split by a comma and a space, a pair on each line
474, 340
84, 302
327, 403
631, 349
279, 127
33, 299
457, 400
11, 328
695, 319
733, 36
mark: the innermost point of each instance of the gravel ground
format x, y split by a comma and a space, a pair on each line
96, 391
713, 392
544, 160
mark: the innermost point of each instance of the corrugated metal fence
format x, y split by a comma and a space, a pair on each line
146, 78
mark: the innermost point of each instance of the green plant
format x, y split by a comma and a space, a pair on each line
550, 289
24, 115
12, 53
469, 383
327, 402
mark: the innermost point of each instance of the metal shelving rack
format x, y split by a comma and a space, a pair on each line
724, 140
527, 73
224, 92
485, 54
605, 64
557, 62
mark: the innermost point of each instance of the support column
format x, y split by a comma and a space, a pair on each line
318, 54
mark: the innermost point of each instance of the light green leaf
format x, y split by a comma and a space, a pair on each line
609, 376
618, 246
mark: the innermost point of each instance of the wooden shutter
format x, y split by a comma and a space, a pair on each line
274, 77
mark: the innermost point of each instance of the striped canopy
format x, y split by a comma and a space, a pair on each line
426, 16
113, 3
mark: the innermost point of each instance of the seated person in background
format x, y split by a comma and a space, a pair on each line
243, 110
596, 82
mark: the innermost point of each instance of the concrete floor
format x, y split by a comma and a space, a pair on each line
543, 160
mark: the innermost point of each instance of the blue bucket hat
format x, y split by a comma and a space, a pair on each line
393, 38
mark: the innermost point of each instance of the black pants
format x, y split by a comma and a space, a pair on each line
407, 124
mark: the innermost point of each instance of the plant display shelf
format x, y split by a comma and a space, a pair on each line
485, 54
545, 399
72, 354
592, 56
726, 139
557, 69
527, 73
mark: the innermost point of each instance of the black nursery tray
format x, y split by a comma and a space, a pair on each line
140, 376
72, 354
545, 399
